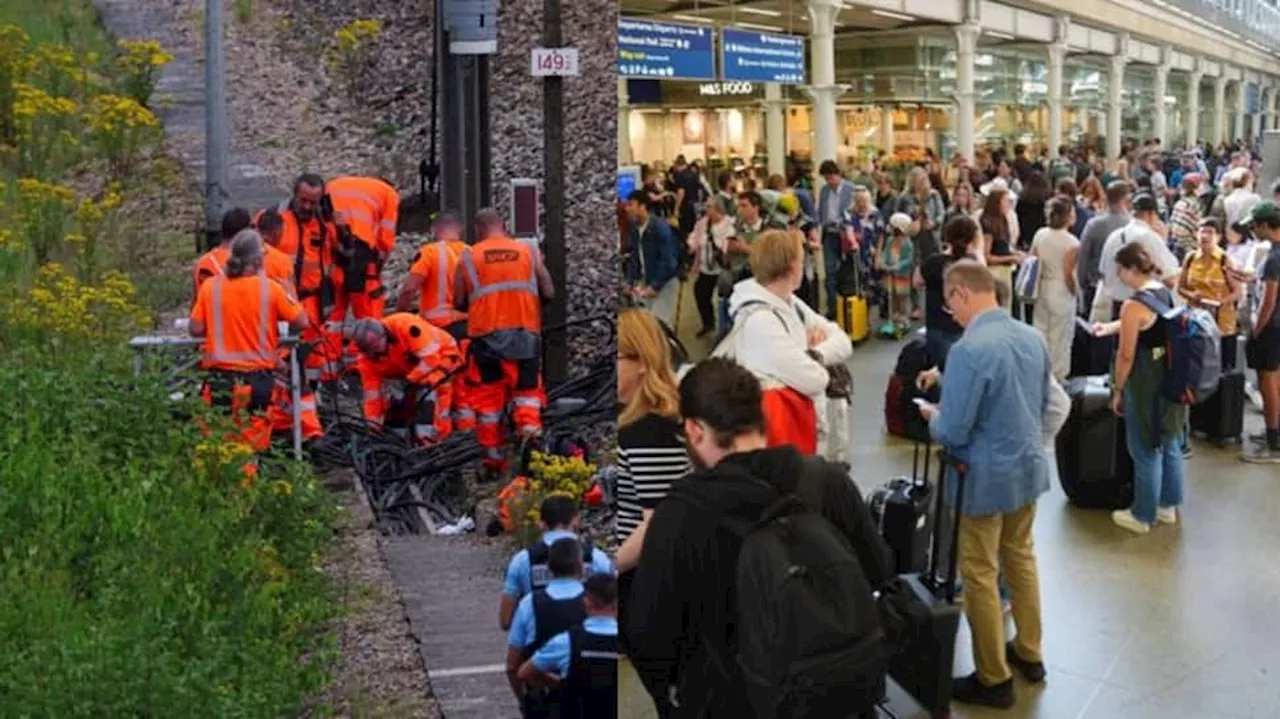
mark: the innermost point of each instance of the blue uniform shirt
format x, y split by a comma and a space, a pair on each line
553, 657
519, 583
524, 627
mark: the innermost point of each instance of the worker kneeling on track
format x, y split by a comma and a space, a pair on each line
501, 284
406, 348
237, 313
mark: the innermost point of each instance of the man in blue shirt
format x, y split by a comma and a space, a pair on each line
996, 414
542, 615
528, 568
581, 665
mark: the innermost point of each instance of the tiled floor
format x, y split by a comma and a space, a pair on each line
1183, 623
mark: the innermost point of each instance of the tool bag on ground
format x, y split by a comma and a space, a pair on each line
1094, 465
919, 611
808, 633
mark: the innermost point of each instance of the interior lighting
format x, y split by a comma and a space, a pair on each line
764, 28
892, 15
694, 18
759, 11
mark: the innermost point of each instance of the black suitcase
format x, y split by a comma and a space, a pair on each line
898, 704
1220, 417
1090, 356
1094, 465
920, 614
901, 509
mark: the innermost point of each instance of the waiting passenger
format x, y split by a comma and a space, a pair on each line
1055, 312
1153, 427
529, 571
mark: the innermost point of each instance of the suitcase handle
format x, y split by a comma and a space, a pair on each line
915, 460
946, 459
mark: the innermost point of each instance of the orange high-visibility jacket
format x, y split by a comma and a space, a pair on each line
371, 207
317, 258
502, 287
209, 265
240, 317
278, 266
437, 265
417, 352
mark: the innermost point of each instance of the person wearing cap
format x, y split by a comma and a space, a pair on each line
1141, 229
1263, 346
896, 262
404, 349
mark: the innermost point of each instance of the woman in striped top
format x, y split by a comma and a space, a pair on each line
651, 450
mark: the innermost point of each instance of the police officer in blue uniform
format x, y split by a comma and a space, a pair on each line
528, 568
556, 608
580, 666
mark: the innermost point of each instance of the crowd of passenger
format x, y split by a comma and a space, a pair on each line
708, 444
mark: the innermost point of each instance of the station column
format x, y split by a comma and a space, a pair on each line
1161, 90
1220, 108
1242, 106
1115, 94
887, 140
824, 90
1057, 58
775, 128
1193, 102
967, 35
624, 123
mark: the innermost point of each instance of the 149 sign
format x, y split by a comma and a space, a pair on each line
555, 62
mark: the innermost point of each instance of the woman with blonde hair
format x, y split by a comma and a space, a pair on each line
651, 450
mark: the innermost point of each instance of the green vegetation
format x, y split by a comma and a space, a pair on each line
143, 571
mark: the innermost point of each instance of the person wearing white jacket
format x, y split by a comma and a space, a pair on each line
783, 342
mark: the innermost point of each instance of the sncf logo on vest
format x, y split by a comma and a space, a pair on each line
501, 256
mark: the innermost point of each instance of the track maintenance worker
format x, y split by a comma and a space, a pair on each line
580, 666
213, 262
528, 571
501, 285
310, 242
433, 276
556, 608
279, 267
405, 347
237, 313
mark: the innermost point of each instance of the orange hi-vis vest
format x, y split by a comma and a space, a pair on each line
278, 266
211, 264
317, 258
240, 315
417, 352
502, 287
371, 207
437, 265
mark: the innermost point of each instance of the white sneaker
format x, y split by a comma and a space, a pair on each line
1167, 515
1124, 518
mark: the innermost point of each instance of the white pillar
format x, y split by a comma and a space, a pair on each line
1115, 88
1193, 103
1057, 57
775, 128
624, 123
1241, 107
823, 88
1162, 89
887, 141
1219, 109
1275, 109
967, 36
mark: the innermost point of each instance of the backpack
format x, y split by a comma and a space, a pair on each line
1193, 352
808, 631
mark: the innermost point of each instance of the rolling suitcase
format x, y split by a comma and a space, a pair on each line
919, 611
852, 312
901, 509
1094, 465
1220, 418
898, 704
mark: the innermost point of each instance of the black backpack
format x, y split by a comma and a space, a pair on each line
809, 639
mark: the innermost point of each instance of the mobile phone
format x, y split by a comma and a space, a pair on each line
920, 401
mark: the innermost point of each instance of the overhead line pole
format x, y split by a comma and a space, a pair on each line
215, 113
